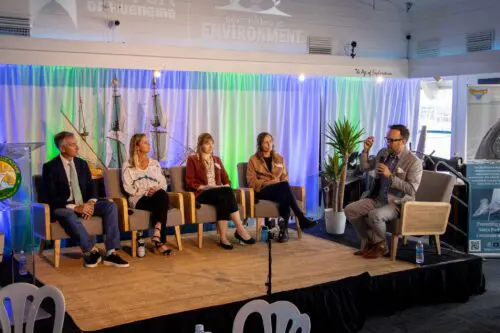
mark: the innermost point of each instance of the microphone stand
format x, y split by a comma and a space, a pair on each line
269, 271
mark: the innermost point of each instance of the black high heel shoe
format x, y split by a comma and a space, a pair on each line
158, 245
249, 241
306, 223
226, 246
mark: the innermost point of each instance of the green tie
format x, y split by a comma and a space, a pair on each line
75, 186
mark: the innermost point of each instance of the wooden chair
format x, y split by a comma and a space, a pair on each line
46, 230
204, 214
265, 208
133, 220
283, 311
428, 214
19, 294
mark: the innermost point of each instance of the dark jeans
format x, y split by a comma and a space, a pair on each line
222, 198
158, 205
282, 194
73, 226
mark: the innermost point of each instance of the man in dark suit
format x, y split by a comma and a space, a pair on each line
71, 194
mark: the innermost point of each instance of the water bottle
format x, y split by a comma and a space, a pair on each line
141, 245
419, 251
199, 329
264, 233
22, 264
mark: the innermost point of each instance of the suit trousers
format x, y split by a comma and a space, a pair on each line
73, 225
369, 217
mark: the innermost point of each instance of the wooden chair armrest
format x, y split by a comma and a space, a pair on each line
175, 200
41, 219
300, 194
240, 198
424, 218
189, 206
122, 205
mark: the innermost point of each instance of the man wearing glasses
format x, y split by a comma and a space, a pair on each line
399, 172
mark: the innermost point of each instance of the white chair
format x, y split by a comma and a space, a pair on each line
18, 294
284, 311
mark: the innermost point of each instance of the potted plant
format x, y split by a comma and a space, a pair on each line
343, 138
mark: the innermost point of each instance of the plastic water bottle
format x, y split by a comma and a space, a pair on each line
141, 245
199, 329
419, 253
264, 233
22, 264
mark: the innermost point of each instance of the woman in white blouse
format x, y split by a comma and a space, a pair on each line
146, 186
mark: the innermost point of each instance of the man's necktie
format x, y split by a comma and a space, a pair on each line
75, 186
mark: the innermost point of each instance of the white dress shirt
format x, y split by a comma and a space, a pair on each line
66, 164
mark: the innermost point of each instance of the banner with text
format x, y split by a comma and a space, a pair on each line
483, 169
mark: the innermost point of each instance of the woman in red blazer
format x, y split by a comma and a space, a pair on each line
205, 175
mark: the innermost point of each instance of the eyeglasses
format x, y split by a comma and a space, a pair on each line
390, 140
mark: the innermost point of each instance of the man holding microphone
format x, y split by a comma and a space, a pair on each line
399, 172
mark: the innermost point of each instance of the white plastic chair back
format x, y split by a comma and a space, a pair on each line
284, 311
18, 294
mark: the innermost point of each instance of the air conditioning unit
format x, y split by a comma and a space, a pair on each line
480, 41
15, 26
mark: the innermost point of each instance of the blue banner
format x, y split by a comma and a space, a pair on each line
484, 208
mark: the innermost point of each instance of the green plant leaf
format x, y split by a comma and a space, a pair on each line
344, 138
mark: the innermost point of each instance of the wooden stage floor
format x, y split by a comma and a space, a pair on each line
195, 278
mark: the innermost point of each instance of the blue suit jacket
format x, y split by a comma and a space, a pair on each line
55, 185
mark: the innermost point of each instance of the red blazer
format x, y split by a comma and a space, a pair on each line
196, 173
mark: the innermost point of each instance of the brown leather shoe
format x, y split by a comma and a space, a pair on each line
377, 251
364, 250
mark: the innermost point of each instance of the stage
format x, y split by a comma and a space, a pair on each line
208, 286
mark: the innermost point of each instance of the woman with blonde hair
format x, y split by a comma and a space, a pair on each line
146, 186
205, 175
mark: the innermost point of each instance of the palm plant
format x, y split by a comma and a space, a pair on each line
344, 138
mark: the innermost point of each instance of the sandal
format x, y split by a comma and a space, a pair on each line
159, 246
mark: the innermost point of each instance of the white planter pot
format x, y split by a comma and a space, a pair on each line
334, 222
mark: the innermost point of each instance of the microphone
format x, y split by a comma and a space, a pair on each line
383, 156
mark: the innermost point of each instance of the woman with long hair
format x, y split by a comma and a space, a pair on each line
268, 176
205, 175
146, 186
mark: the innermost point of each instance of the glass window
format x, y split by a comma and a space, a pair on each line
436, 99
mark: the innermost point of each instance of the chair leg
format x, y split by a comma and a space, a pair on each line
42, 247
178, 237
438, 245
299, 229
133, 245
200, 235
258, 226
57, 252
405, 240
394, 246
